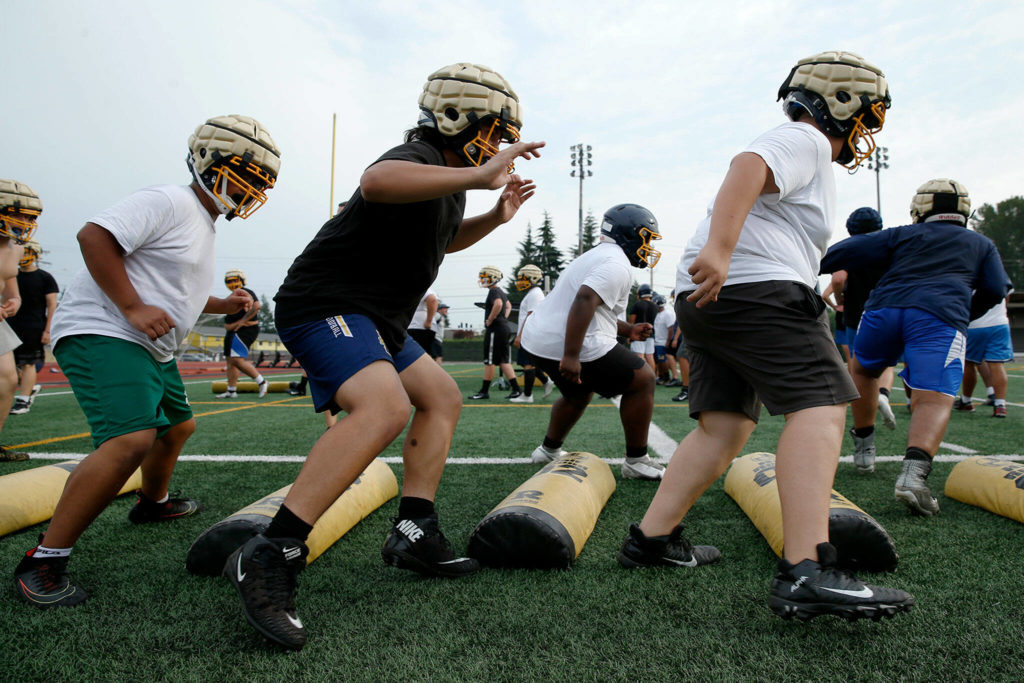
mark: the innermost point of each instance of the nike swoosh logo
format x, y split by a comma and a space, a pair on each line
239, 573
864, 592
681, 563
295, 620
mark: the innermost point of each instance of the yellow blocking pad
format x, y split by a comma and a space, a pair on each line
221, 386
30, 496
374, 487
545, 522
861, 542
995, 485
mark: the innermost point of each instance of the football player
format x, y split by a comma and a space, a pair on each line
644, 311
240, 332
529, 278
343, 311
938, 276
150, 263
19, 209
32, 324
757, 332
496, 334
572, 335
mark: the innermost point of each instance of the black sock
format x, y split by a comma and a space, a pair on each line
861, 432
528, 377
883, 391
514, 383
303, 381
486, 387
636, 451
286, 525
415, 508
542, 376
915, 453
551, 444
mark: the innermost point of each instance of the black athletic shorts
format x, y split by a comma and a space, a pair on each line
246, 335
31, 350
496, 339
524, 357
436, 349
762, 342
425, 338
609, 375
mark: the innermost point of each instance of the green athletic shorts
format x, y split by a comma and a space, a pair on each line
120, 387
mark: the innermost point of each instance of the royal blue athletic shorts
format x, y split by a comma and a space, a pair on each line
990, 344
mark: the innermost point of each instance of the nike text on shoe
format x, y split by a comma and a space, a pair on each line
21, 406
664, 551
963, 406
521, 399
263, 387
44, 583
265, 573
419, 545
542, 455
912, 488
7, 455
808, 589
888, 417
146, 510
642, 468
479, 396
863, 452
681, 396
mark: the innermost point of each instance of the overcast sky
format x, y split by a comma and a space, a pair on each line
102, 96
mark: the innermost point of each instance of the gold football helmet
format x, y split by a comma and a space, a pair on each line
31, 254
528, 276
489, 275
19, 208
234, 278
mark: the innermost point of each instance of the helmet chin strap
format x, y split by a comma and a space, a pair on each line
221, 207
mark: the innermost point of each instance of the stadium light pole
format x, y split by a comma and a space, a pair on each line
876, 163
581, 161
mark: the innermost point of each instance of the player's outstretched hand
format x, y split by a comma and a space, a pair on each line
641, 331
494, 173
517, 191
152, 320
708, 271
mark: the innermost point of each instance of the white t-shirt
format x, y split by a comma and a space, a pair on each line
606, 270
785, 234
419, 318
664, 320
168, 242
993, 317
528, 305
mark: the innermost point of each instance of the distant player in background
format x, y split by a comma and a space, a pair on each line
20, 207
38, 292
150, 261
421, 327
496, 334
644, 311
988, 349
529, 277
939, 275
440, 323
573, 336
241, 330
665, 361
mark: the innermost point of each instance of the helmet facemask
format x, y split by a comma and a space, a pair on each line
249, 193
527, 277
646, 255
489, 276
19, 225
30, 255
234, 279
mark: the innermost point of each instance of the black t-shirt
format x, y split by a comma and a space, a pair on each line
235, 317
33, 288
645, 311
374, 259
493, 294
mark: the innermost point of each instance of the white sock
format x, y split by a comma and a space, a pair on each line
965, 399
163, 500
42, 552
1000, 401
259, 379
20, 397
990, 391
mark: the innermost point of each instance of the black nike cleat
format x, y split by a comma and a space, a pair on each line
810, 588
265, 573
673, 550
419, 545
44, 582
145, 510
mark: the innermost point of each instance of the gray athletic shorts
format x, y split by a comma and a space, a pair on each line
763, 342
8, 339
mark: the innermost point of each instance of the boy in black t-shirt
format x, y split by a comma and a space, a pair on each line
343, 311
496, 334
644, 311
38, 292
240, 332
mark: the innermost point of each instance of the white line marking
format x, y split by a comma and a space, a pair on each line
395, 460
42, 394
957, 449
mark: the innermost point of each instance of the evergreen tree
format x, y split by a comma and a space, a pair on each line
589, 234
265, 315
1004, 225
528, 251
549, 258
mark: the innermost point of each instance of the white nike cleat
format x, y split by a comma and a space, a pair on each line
263, 387
888, 417
522, 398
549, 386
642, 468
542, 455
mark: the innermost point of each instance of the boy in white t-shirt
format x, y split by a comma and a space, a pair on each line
421, 326
988, 348
150, 268
529, 277
665, 362
756, 332
572, 335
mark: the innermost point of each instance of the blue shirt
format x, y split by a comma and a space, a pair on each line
943, 268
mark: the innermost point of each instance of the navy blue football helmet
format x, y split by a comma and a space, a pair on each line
643, 290
633, 228
864, 220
